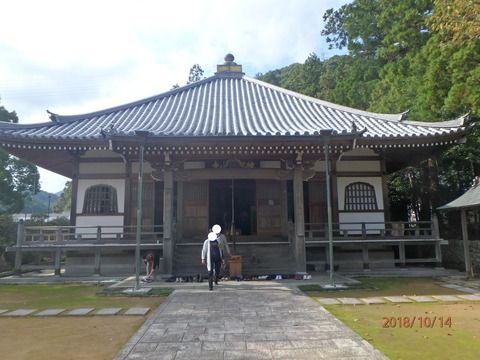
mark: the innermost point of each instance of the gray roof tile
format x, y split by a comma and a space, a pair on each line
469, 199
227, 105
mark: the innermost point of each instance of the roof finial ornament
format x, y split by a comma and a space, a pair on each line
354, 128
52, 116
229, 58
229, 66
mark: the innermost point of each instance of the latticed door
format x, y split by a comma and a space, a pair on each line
317, 202
195, 208
270, 207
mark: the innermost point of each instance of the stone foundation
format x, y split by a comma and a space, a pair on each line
453, 255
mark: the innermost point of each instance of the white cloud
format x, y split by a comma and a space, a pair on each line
76, 57
51, 182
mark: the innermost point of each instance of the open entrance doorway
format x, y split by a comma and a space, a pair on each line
233, 200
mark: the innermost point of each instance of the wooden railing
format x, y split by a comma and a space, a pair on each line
372, 231
58, 239
36, 235
363, 235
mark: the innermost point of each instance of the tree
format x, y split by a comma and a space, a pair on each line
354, 26
383, 29
8, 231
196, 74
349, 80
456, 21
273, 77
302, 78
428, 56
396, 90
64, 202
17, 178
344, 80
282, 77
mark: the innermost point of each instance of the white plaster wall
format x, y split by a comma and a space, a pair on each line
118, 184
104, 220
359, 217
101, 154
346, 220
376, 182
360, 152
102, 168
358, 166
189, 165
270, 164
147, 168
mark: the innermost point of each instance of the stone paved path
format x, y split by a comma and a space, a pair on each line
231, 323
74, 312
397, 299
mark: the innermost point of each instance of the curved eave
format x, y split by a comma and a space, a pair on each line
58, 157
470, 199
34, 141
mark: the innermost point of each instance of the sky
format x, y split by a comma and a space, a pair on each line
75, 57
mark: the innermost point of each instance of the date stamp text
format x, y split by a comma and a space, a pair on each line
409, 322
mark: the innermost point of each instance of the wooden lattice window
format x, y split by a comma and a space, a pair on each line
360, 196
100, 199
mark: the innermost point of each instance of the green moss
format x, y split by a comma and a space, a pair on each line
71, 296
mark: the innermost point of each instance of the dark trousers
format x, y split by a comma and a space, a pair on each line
214, 272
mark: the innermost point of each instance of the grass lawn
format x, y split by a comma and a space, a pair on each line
454, 335
64, 337
436, 330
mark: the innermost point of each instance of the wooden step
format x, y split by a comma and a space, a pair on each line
257, 259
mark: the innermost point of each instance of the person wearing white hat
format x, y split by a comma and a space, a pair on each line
212, 257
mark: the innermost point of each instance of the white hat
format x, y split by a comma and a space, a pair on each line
212, 236
216, 229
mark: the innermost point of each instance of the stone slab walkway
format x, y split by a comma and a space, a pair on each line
397, 299
472, 295
232, 323
74, 312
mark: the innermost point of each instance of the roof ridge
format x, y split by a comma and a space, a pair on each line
391, 117
69, 118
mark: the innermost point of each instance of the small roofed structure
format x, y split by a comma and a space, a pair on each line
469, 200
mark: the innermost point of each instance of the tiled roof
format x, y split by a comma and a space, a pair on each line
228, 105
468, 200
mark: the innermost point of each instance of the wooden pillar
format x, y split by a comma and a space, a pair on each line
466, 249
127, 219
57, 255
73, 207
366, 259
438, 247
168, 246
401, 252
299, 238
96, 270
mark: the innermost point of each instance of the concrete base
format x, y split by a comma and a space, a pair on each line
141, 291
333, 287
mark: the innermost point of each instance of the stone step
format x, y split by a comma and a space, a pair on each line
398, 299
257, 259
74, 312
